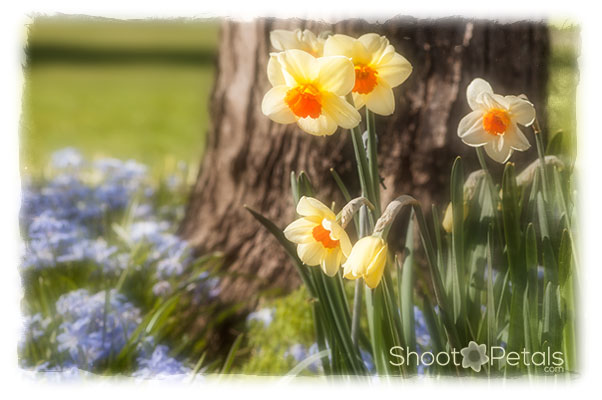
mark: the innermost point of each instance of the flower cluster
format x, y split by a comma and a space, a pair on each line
94, 326
72, 221
312, 77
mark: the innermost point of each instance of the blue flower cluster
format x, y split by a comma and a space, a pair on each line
75, 217
94, 326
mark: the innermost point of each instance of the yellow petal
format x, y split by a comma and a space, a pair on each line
311, 253
380, 100
274, 107
475, 90
298, 67
339, 110
300, 231
331, 262
282, 39
338, 233
375, 270
375, 45
339, 45
336, 75
359, 100
321, 126
309, 206
395, 71
275, 71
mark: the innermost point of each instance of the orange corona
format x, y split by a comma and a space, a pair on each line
496, 121
322, 235
304, 101
365, 79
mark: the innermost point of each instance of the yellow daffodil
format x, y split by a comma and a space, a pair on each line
310, 91
493, 121
367, 260
304, 40
320, 239
378, 69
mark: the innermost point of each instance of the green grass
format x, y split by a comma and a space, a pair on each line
151, 112
146, 112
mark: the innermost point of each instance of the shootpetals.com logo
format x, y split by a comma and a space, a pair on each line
476, 355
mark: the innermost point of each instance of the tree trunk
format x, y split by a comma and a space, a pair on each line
249, 158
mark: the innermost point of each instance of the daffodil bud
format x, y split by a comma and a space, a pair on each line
470, 188
367, 260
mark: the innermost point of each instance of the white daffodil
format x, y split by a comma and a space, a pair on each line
310, 91
320, 239
493, 121
305, 40
378, 69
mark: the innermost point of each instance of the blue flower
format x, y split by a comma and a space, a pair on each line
264, 316
159, 365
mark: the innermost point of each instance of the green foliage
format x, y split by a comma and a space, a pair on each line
267, 346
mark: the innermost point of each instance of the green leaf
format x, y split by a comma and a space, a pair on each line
231, 354
459, 269
512, 232
565, 257
405, 278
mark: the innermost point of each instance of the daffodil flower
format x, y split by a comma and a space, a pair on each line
493, 121
310, 91
367, 260
305, 40
320, 239
378, 69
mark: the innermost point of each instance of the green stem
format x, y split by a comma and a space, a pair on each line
373, 160
541, 155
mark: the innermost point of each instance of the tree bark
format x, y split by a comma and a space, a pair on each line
249, 158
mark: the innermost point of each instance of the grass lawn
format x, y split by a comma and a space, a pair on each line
146, 112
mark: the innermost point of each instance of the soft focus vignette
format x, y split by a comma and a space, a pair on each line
96, 229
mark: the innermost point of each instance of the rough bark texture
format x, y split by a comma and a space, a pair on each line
249, 159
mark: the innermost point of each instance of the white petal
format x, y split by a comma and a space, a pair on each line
338, 109
321, 126
298, 65
476, 88
309, 206
470, 130
300, 231
395, 71
521, 110
381, 100
274, 107
311, 253
489, 101
339, 45
515, 138
331, 262
275, 71
336, 75
498, 150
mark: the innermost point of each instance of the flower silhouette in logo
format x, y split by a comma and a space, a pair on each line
474, 355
